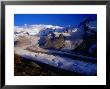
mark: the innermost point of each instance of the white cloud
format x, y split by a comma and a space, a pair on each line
34, 28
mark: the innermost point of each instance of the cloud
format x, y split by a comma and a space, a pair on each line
36, 28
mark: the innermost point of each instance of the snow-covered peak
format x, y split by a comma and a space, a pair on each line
53, 27
34, 29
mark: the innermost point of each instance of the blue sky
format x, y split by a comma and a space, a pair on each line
51, 19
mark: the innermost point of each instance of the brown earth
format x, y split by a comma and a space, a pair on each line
28, 68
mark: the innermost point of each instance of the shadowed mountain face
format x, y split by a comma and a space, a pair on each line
67, 39
89, 44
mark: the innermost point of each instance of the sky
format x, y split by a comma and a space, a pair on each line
51, 19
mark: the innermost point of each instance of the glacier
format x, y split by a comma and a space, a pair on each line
78, 66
